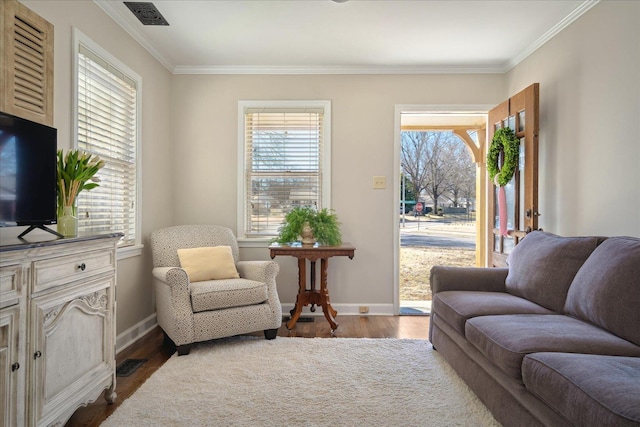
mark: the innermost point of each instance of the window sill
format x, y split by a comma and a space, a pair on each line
129, 251
254, 242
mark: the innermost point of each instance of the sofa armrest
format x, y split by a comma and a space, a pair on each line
467, 279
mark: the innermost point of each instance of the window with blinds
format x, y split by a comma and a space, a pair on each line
285, 162
107, 126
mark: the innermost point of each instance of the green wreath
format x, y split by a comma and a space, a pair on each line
503, 140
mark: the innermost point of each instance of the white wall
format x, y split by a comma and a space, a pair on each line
135, 297
205, 134
589, 77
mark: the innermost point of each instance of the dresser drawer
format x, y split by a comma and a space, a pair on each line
54, 272
10, 284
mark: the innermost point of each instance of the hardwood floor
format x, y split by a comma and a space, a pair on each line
153, 348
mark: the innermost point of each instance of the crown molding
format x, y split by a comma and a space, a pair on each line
553, 31
383, 69
131, 28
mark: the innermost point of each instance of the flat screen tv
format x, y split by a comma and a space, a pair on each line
27, 173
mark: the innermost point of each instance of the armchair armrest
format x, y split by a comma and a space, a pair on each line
170, 275
173, 303
266, 272
261, 271
467, 279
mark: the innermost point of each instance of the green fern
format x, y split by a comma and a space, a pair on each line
324, 223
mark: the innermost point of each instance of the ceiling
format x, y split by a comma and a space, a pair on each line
353, 37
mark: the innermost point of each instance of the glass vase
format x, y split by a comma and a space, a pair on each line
68, 222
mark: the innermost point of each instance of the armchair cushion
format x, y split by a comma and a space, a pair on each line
217, 294
208, 263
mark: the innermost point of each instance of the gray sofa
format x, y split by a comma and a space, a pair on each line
552, 340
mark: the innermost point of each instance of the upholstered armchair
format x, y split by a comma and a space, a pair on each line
193, 311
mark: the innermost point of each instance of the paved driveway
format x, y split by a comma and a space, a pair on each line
438, 234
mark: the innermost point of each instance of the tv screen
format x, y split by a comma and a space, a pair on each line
27, 172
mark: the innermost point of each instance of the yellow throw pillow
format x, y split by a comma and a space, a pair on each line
209, 263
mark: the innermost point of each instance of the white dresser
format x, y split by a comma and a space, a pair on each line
57, 328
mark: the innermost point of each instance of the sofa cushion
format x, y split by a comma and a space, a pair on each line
586, 389
505, 340
606, 290
542, 266
455, 307
217, 294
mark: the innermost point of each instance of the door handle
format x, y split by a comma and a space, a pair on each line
529, 213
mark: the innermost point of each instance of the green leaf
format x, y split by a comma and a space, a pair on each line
90, 186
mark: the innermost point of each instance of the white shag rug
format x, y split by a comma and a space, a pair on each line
249, 381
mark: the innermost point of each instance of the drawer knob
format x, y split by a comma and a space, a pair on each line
15, 367
82, 266
37, 354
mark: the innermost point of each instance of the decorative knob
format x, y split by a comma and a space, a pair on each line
15, 367
37, 354
82, 266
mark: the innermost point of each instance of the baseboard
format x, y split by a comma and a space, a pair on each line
135, 332
347, 309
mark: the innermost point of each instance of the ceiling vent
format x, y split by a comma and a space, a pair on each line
146, 13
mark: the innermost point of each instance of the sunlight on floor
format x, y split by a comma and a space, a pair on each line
415, 308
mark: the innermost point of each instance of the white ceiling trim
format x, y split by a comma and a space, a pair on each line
337, 70
568, 20
133, 31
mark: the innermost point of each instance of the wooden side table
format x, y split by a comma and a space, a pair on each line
312, 295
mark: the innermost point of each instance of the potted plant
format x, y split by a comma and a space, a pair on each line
73, 171
300, 221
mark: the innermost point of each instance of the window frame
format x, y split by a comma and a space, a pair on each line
81, 39
243, 106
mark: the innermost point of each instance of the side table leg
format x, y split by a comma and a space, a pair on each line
329, 312
302, 287
312, 282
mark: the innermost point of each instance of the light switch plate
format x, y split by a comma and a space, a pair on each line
379, 182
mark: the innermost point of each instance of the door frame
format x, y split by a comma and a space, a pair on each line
481, 184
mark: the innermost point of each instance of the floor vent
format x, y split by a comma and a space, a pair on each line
300, 319
146, 13
128, 367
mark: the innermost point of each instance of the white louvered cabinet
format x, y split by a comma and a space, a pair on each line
26, 63
60, 328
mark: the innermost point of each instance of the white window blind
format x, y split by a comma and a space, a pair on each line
107, 126
284, 165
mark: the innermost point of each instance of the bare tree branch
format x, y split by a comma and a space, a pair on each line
439, 165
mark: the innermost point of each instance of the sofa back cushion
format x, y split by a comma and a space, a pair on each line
606, 290
543, 265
